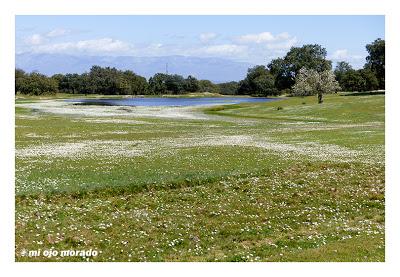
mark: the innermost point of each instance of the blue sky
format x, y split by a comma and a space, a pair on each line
254, 39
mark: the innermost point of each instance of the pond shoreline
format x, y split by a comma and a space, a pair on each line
168, 102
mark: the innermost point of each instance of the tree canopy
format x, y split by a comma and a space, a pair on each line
34, 83
106, 81
310, 56
355, 80
230, 88
376, 60
259, 81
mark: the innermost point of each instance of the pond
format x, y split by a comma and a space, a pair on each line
164, 101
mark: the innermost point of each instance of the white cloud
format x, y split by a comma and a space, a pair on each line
38, 39
222, 50
34, 39
196, 50
94, 46
266, 40
343, 54
257, 49
256, 38
357, 61
264, 37
340, 54
57, 33
283, 36
206, 37
282, 45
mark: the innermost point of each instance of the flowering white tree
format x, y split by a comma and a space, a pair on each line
311, 82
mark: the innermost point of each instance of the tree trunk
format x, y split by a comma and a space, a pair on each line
320, 98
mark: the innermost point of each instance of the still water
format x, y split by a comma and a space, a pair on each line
163, 101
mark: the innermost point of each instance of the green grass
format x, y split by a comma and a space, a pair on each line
252, 183
335, 109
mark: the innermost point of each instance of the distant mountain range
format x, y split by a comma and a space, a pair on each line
214, 69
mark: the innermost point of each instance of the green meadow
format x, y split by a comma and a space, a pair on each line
289, 180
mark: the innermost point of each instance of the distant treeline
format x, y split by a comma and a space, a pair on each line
274, 79
111, 81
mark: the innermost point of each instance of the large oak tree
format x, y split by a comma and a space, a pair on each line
309, 56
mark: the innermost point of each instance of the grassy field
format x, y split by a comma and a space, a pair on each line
288, 180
